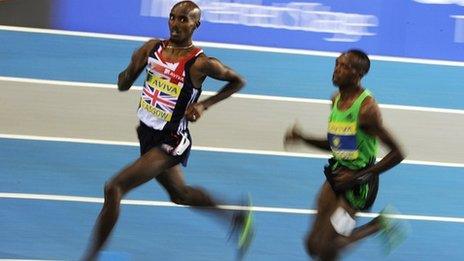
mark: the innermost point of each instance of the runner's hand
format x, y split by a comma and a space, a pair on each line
344, 179
194, 111
292, 135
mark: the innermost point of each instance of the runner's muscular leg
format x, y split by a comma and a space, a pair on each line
331, 239
142, 170
239, 222
180, 193
322, 231
147, 167
358, 233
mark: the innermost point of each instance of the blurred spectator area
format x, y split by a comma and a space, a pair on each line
28, 13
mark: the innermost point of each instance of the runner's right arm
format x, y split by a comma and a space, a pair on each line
138, 62
295, 134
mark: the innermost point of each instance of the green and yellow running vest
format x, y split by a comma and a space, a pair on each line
351, 147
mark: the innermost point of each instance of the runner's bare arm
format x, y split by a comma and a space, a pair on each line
370, 121
138, 62
295, 134
212, 67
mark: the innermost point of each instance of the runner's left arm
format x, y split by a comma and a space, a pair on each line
212, 67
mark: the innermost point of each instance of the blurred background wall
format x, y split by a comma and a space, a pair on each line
28, 13
404, 28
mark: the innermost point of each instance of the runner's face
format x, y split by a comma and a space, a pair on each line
181, 24
344, 73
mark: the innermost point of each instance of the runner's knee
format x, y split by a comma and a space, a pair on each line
113, 191
318, 247
191, 196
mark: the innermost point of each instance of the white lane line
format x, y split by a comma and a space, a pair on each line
318, 156
238, 95
58, 83
233, 46
73, 140
216, 149
27, 260
153, 203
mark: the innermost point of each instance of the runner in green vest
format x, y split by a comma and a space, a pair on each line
352, 176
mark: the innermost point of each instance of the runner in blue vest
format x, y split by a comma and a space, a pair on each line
175, 71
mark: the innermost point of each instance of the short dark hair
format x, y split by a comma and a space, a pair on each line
193, 6
362, 63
